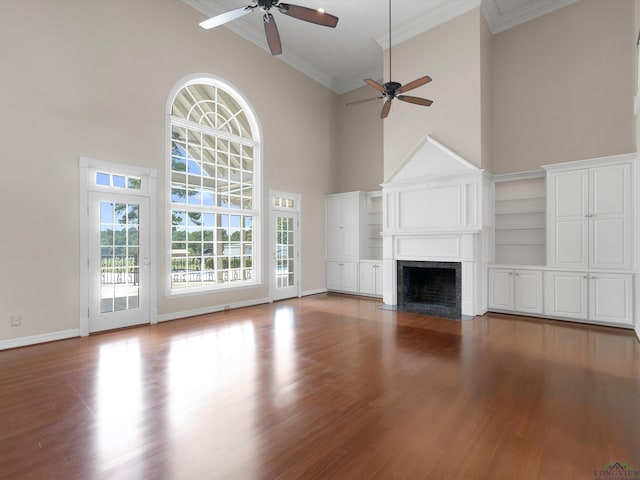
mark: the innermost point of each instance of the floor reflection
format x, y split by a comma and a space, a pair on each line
211, 392
284, 357
120, 404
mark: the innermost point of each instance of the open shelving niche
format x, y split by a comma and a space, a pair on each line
374, 226
520, 218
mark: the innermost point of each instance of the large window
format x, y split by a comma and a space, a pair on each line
213, 190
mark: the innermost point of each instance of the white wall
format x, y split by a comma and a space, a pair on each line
92, 79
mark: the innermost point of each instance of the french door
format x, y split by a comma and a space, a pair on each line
285, 258
118, 260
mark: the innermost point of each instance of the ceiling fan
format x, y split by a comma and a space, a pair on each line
319, 17
391, 89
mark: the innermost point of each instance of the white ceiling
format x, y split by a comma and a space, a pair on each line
341, 58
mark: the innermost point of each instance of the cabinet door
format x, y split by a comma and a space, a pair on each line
377, 271
609, 217
567, 204
528, 291
342, 226
368, 278
342, 243
350, 277
610, 298
334, 275
342, 210
565, 294
501, 289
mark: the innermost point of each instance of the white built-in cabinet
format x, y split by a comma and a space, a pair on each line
564, 242
371, 278
344, 225
342, 276
598, 297
354, 244
515, 290
589, 216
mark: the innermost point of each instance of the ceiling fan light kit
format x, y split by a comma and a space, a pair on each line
318, 17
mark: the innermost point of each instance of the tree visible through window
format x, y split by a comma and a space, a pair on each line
213, 209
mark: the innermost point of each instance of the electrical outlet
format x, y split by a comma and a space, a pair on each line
16, 320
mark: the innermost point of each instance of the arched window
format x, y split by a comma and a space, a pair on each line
214, 188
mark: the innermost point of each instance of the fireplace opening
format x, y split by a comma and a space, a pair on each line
430, 288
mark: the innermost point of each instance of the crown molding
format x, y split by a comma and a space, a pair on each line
357, 81
288, 56
447, 10
500, 20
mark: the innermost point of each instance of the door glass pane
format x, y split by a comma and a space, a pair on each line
119, 257
285, 263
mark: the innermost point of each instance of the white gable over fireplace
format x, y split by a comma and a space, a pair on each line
434, 209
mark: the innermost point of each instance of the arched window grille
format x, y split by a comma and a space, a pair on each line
213, 191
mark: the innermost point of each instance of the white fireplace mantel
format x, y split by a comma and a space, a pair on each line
434, 210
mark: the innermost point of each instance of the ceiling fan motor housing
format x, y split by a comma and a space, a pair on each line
391, 89
266, 4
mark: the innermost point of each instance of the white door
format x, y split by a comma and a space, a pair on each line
610, 298
118, 260
565, 294
610, 203
285, 258
528, 291
568, 211
501, 289
368, 278
349, 277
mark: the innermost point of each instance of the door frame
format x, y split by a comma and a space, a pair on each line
297, 198
88, 168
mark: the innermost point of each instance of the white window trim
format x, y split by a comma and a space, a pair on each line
258, 226
88, 168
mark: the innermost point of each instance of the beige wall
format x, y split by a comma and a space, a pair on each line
563, 86
637, 144
486, 91
360, 142
92, 79
450, 55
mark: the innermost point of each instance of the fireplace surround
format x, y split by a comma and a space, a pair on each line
434, 211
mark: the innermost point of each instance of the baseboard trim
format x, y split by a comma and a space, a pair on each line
638, 332
35, 339
317, 291
213, 309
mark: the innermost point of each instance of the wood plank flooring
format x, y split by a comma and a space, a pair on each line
324, 387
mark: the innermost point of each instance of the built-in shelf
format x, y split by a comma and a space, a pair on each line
374, 226
520, 220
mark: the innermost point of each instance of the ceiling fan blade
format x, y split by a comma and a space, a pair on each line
273, 37
374, 84
362, 101
416, 100
226, 17
385, 109
308, 15
415, 84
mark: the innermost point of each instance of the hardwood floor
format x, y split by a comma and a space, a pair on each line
324, 387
